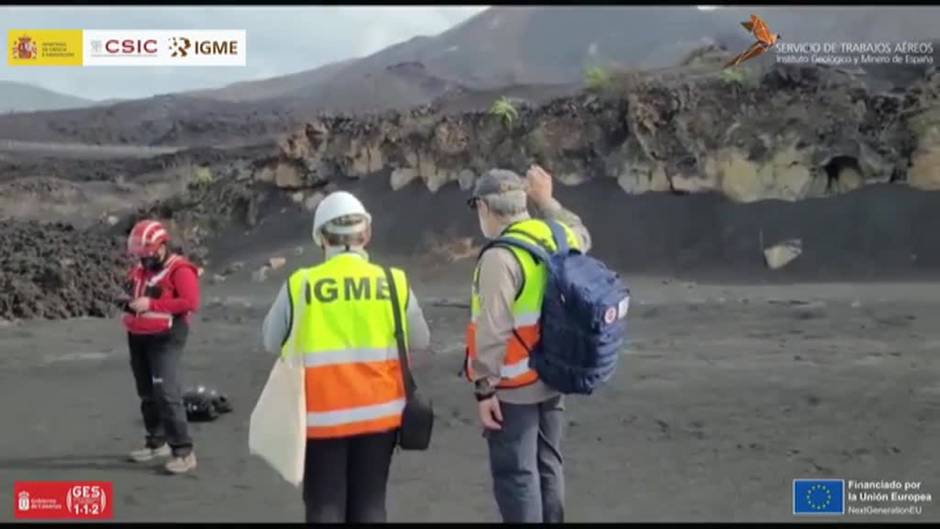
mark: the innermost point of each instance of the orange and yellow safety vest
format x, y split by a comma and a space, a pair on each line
342, 325
526, 309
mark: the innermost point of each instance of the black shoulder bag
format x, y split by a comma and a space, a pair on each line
417, 419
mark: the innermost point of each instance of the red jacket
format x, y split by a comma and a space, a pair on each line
178, 287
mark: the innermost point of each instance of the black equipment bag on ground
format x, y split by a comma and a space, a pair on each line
417, 419
204, 404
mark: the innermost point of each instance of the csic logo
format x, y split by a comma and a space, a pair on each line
25, 48
131, 46
124, 47
179, 46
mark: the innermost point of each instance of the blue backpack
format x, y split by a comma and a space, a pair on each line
583, 322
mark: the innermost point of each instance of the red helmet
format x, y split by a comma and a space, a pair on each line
146, 237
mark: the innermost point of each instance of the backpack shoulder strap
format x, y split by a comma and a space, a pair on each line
536, 250
558, 233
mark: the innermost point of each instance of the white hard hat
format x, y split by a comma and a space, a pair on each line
335, 205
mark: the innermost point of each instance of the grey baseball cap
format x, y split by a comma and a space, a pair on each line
496, 181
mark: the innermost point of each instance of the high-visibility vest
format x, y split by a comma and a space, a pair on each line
141, 283
526, 309
343, 327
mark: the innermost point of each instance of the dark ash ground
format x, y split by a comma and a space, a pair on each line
725, 394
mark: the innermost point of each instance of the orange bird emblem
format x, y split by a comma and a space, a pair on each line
765, 40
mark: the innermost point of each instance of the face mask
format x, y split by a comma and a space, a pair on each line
153, 263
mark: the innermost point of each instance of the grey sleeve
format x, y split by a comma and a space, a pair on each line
555, 211
277, 323
419, 335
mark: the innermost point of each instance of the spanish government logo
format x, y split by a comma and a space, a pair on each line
44, 47
25, 48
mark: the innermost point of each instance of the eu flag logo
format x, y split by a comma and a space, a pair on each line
818, 496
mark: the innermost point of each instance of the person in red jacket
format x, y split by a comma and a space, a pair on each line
164, 293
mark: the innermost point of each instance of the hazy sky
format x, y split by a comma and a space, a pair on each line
281, 40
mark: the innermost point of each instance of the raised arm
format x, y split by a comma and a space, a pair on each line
548, 207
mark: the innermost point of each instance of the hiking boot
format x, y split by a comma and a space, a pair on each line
148, 454
181, 465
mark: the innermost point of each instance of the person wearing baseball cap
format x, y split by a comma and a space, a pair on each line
522, 416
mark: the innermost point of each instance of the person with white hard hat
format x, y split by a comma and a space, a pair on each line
338, 315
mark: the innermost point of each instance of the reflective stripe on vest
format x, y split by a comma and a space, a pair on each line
168, 266
342, 327
526, 318
156, 315
526, 308
350, 356
514, 370
132, 322
364, 413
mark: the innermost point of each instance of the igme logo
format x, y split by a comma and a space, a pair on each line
182, 46
179, 46
217, 48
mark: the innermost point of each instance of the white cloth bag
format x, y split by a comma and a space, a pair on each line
277, 431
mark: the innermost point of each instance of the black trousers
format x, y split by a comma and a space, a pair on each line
345, 479
155, 361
